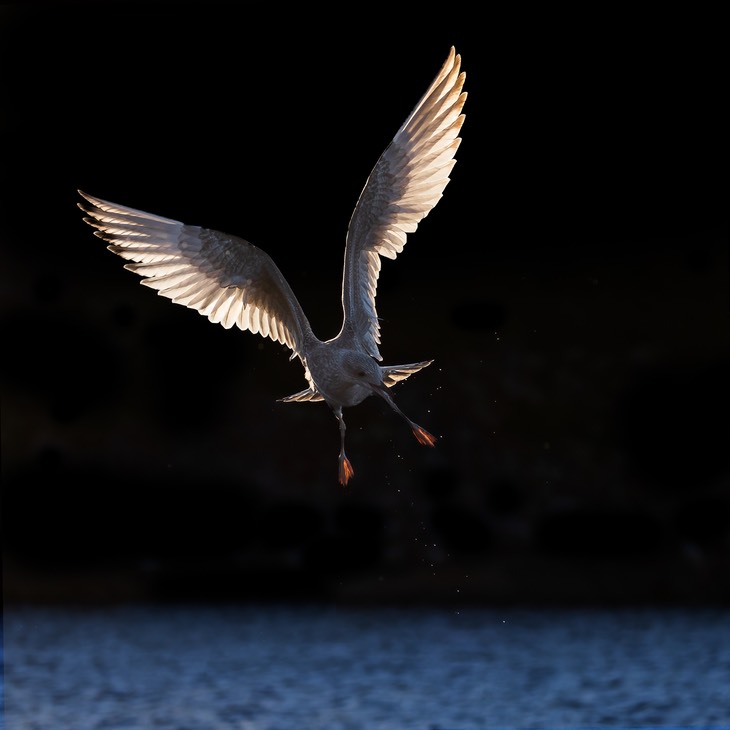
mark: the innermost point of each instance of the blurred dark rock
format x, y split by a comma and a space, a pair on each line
599, 533
504, 497
215, 582
290, 524
440, 483
579, 323
123, 317
461, 529
338, 555
70, 363
475, 314
704, 521
194, 373
65, 516
354, 542
360, 519
674, 423
48, 289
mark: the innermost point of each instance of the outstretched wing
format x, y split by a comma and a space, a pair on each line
405, 184
225, 278
395, 373
308, 395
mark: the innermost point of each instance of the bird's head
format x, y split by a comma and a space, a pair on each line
363, 370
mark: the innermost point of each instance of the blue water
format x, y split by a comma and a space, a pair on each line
285, 668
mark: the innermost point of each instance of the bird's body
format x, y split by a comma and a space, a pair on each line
233, 282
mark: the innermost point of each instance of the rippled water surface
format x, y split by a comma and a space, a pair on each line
285, 668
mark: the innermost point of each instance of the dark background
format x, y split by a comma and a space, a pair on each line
572, 287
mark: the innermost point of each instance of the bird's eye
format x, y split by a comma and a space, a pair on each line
360, 373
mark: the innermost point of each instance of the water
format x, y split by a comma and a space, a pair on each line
286, 668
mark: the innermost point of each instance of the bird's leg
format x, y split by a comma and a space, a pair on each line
422, 436
346, 470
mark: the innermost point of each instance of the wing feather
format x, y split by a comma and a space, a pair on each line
225, 278
395, 373
403, 187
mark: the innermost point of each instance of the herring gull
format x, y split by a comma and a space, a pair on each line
232, 282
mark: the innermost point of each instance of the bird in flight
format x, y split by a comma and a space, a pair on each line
232, 282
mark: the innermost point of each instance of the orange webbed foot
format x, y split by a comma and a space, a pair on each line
346, 470
423, 436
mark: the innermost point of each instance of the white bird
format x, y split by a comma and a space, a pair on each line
232, 282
